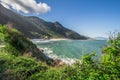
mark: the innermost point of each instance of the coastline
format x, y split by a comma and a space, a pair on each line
57, 59
59, 39
55, 39
48, 40
48, 52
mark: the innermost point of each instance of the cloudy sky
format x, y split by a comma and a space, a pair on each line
26, 6
92, 18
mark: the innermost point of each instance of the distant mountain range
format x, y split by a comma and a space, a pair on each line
34, 27
101, 38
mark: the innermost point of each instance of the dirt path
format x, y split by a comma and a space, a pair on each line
1, 46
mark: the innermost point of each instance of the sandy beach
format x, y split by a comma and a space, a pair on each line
48, 40
58, 39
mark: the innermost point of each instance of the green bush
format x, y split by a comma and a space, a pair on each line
20, 68
17, 44
15, 67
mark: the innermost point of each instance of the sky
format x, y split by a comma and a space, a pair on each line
93, 18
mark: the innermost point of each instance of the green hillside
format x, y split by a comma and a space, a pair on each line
21, 60
34, 27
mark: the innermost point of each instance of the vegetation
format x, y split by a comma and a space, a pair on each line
16, 44
14, 66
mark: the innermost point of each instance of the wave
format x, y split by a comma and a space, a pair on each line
48, 52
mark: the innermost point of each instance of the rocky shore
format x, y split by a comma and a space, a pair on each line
58, 61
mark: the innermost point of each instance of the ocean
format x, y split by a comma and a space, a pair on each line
74, 49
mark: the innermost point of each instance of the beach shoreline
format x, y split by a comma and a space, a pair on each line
54, 39
48, 40
59, 39
50, 54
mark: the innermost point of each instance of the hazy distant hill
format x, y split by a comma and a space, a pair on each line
34, 27
101, 38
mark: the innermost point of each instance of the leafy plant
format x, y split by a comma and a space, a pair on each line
13, 66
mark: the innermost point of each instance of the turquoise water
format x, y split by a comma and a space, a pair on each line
74, 48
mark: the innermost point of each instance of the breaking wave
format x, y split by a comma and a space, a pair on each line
48, 52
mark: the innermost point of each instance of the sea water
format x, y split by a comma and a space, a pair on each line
73, 49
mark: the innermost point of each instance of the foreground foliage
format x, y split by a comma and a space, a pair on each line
24, 67
17, 44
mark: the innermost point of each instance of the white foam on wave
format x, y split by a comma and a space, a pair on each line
48, 52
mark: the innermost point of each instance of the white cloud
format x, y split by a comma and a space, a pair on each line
26, 6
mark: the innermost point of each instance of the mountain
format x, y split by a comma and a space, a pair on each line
34, 27
101, 38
